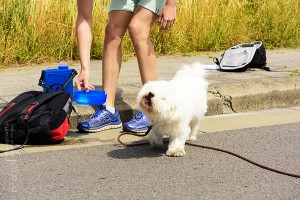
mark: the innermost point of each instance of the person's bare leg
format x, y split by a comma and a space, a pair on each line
84, 39
139, 30
112, 52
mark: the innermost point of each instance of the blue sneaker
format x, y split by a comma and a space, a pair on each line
138, 124
101, 120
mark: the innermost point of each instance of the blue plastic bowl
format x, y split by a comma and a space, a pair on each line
92, 97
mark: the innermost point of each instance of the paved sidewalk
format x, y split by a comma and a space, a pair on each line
229, 92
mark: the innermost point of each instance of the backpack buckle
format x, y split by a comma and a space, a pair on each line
24, 115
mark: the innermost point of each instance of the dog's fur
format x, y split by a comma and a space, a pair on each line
175, 107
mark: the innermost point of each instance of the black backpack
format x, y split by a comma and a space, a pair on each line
35, 117
243, 56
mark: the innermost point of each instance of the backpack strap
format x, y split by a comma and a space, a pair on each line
264, 67
40, 99
17, 101
217, 61
20, 146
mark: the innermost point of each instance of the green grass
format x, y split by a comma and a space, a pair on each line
36, 31
295, 72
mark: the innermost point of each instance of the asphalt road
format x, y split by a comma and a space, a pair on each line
116, 172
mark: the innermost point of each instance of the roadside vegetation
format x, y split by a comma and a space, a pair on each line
37, 31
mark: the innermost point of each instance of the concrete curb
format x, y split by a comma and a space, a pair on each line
219, 101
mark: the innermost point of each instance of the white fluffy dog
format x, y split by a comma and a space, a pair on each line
175, 107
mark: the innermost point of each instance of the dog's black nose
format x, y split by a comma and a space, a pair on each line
150, 95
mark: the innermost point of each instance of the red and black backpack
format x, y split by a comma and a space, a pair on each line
36, 117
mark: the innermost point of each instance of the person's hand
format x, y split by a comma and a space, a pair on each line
167, 16
82, 82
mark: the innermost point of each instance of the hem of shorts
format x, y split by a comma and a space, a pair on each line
132, 11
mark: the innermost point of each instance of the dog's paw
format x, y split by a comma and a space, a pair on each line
176, 153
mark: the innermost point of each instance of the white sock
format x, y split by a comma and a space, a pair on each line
110, 109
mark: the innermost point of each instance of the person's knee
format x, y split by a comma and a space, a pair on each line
112, 32
136, 31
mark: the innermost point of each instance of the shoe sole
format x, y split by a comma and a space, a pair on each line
134, 131
100, 129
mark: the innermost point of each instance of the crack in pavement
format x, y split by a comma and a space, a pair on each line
227, 101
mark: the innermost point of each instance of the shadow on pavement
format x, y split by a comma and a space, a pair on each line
136, 152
